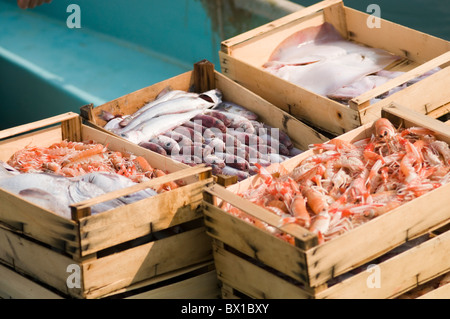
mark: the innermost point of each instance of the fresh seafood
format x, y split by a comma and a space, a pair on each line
343, 185
56, 193
320, 60
71, 159
215, 132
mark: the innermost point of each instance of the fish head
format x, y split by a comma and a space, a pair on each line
214, 96
133, 136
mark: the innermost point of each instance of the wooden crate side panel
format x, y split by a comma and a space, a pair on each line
107, 274
252, 280
301, 134
131, 102
11, 145
381, 234
398, 274
203, 286
25, 217
255, 243
414, 45
141, 218
439, 293
37, 261
300, 103
15, 286
425, 97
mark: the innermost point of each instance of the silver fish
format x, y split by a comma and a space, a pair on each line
234, 108
181, 104
158, 125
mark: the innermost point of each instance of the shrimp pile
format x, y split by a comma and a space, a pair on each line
343, 185
72, 159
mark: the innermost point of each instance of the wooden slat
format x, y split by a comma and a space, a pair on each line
36, 125
439, 293
253, 280
203, 75
401, 273
304, 238
255, 243
15, 286
136, 220
363, 100
122, 269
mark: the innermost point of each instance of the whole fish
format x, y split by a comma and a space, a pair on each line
165, 95
275, 143
195, 137
153, 147
240, 122
167, 143
241, 175
209, 122
246, 138
181, 139
234, 108
109, 182
178, 105
55, 192
219, 115
158, 125
233, 161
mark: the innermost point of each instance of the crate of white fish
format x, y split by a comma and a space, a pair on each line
194, 282
88, 213
335, 67
333, 208
204, 117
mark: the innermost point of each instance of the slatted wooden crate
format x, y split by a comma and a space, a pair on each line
242, 58
194, 282
203, 78
252, 253
113, 249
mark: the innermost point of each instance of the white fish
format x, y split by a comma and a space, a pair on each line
320, 60
176, 105
158, 125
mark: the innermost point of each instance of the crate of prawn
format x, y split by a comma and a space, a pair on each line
330, 66
324, 213
202, 116
77, 201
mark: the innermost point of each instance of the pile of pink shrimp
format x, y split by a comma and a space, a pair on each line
343, 184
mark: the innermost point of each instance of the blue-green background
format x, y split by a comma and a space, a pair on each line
124, 45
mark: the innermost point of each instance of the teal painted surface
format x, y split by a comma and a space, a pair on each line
124, 45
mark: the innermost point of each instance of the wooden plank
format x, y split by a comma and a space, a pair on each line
46, 265
304, 238
398, 274
107, 274
15, 286
25, 217
439, 293
301, 134
136, 220
203, 286
231, 44
401, 115
362, 100
395, 38
255, 243
36, 125
253, 280
204, 79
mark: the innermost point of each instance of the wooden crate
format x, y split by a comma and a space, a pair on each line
311, 264
194, 282
242, 58
203, 78
113, 249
